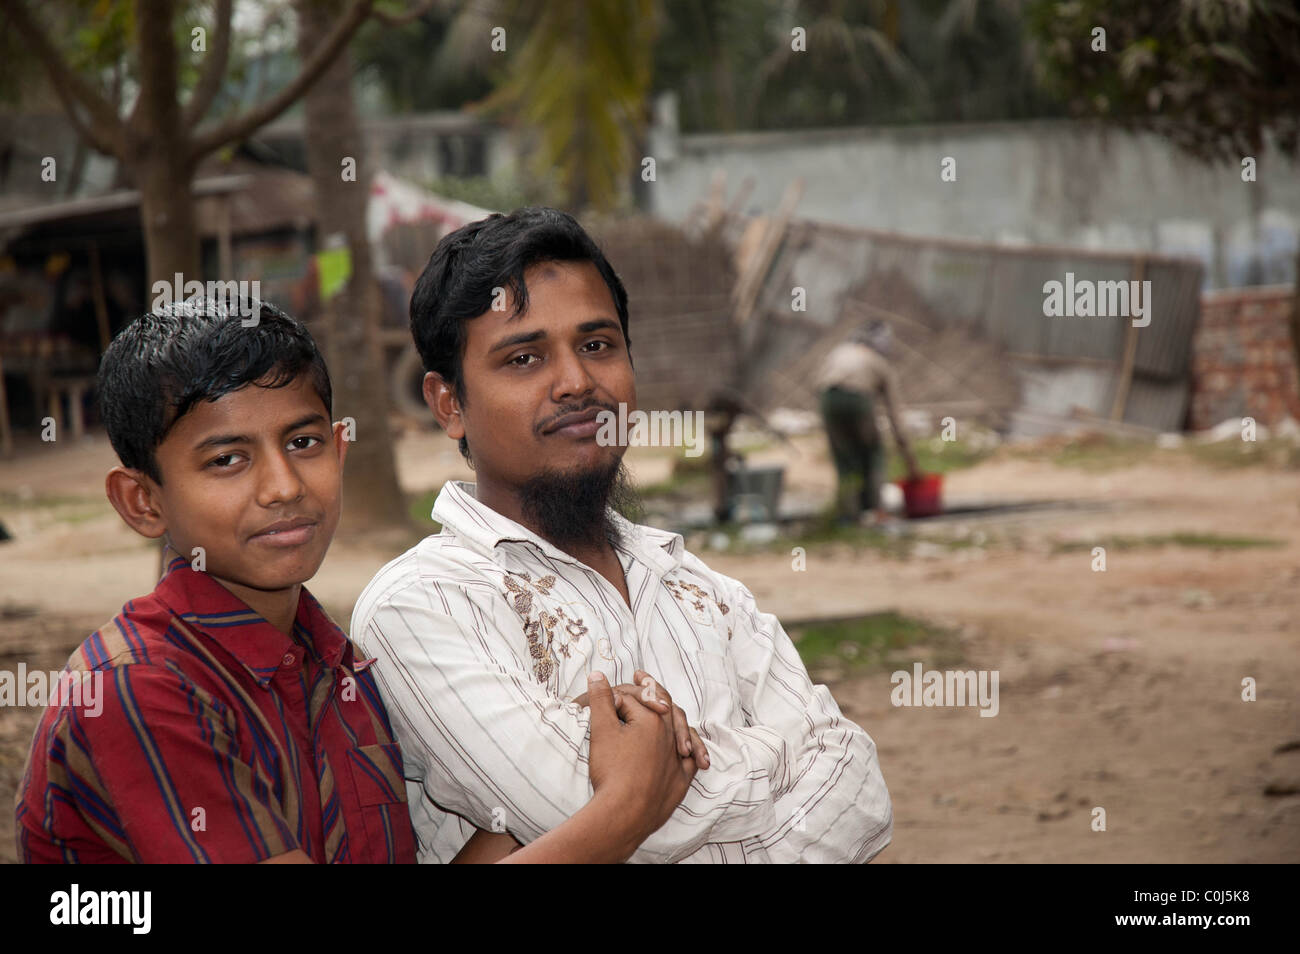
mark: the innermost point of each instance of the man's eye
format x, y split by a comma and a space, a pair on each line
305, 437
516, 359
604, 345
223, 462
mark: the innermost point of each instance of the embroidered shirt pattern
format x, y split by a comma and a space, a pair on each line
540, 628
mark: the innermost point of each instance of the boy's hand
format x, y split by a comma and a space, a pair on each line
655, 697
634, 758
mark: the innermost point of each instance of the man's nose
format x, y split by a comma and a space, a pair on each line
573, 378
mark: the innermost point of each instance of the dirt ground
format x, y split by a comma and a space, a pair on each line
1119, 690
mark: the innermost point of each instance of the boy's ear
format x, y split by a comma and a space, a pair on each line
133, 496
442, 402
341, 442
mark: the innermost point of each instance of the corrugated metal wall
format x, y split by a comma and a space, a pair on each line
969, 320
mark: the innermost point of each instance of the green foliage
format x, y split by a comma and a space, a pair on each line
421, 506
582, 74
1214, 77
1277, 453
581, 81
1208, 541
976, 61
96, 38
1091, 451
851, 65
707, 52
1088, 451
881, 640
97, 35
937, 457
420, 66
487, 193
867, 62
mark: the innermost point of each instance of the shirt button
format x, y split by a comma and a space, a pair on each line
289, 660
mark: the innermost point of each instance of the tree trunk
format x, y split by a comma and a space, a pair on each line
158, 152
171, 236
372, 496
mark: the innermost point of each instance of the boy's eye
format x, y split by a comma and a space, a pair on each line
222, 462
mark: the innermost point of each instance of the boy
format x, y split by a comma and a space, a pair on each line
232, 721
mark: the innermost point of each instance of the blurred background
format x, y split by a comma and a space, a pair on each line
1117, 531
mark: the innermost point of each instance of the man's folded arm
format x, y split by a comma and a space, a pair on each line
833, 805
497, 748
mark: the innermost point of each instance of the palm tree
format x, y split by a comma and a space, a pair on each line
580, 81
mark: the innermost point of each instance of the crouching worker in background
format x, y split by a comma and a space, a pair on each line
226, 718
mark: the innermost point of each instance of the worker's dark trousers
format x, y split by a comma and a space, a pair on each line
859, 456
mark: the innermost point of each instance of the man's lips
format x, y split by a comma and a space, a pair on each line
580, 424
290, 532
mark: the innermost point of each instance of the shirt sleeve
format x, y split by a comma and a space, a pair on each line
155, 770
492, 744
832, 804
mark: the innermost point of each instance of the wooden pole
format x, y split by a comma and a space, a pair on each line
225, 251
101, 303
6, 436
1130, 351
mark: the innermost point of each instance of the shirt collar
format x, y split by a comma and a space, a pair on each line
482, 528
207, 606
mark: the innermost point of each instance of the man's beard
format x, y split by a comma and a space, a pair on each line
569, 507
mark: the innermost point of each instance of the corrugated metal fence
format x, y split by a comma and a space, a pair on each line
971, 328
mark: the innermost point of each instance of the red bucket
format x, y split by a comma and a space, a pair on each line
922, 497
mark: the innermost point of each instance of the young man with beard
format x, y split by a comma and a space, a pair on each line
486, 631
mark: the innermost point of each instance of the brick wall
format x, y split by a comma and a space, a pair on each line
679, 305
1243, 364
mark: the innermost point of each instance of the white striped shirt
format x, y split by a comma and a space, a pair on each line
485, 631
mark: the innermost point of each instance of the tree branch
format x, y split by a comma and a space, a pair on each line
402, 19
238, 127
215, 69
105, 131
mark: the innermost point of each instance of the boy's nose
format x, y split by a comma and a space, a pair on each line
279, 481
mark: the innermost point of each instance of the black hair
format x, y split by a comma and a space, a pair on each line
494, 252
163, 363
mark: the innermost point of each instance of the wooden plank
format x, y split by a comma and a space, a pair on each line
751, 282
1130, 352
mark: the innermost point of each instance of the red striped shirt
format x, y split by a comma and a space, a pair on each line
207, 735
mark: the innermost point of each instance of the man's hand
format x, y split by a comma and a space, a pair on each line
655, 697
913, 469
638, 777
634, 759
